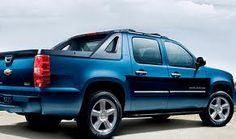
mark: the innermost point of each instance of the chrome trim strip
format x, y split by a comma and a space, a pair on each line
188, 91
140, 92
173, 91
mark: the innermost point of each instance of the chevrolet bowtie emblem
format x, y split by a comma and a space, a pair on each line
7, 72
8, 60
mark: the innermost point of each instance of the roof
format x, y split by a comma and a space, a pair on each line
139, 33
131, 31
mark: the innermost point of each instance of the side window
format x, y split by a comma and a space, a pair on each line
66, 48
146, 51
82, 43
178, 56
112, 47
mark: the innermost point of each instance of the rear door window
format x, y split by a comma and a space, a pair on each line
146, 51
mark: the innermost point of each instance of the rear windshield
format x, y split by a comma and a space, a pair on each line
84, 43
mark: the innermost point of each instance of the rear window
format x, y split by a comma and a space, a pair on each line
84, 43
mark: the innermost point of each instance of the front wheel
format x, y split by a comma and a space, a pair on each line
102, 116
219, 110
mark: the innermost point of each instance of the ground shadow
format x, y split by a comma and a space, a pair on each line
69, 129
133, 126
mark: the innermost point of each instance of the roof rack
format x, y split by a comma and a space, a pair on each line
156, 34
135, 32
164, 37
124, 30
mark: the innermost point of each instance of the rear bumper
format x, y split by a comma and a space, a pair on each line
46, 101
22, 104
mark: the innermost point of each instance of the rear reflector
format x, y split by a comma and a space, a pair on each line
42, 71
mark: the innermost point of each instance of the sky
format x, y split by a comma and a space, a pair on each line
206, 27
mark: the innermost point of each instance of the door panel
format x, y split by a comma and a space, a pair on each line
148, 83
188, 85
188, 91
150, 91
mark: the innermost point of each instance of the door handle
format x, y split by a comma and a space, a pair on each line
175, 75
141, 72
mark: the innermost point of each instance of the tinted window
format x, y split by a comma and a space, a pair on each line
146, 51
112, 47
82, 43
178, 56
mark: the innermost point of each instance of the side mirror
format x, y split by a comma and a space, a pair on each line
200, 62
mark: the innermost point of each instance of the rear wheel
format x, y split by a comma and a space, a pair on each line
102, 116
42, 121
219, 110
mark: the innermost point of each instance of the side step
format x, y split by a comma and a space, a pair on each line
163, 112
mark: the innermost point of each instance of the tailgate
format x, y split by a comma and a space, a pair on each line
16, 71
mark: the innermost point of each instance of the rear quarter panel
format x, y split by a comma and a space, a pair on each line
75, 74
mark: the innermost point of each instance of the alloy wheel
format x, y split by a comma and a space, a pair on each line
103, 116
219, 109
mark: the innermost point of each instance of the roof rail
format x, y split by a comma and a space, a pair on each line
138, 32
164, 37
156, 34
143, 33
124, 30
134, 31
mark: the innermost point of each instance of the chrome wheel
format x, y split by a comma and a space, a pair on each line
219, 109
103, 116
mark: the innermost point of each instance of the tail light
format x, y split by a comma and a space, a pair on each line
42, 71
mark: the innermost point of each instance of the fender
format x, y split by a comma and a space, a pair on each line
114, 80
224, 83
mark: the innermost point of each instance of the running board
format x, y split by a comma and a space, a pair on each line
161, 112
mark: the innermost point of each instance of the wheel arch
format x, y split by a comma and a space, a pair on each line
223, 86
110, 84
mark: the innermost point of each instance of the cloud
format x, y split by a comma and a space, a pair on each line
218, 3
206, 27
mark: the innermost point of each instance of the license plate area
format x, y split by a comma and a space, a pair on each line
6, 99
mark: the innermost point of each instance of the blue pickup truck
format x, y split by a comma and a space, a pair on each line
99, 78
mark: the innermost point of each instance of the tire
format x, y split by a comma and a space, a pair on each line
101, 117
40, 121
219, 111
160, 117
